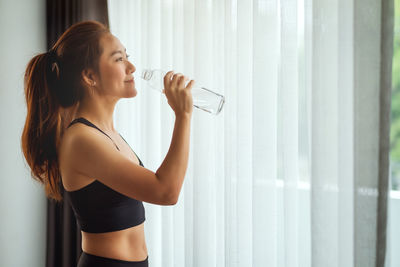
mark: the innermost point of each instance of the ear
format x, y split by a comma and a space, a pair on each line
89, 77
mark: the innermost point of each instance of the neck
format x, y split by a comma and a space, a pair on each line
98, 110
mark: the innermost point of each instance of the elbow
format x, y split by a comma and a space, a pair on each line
170, 193
172, 200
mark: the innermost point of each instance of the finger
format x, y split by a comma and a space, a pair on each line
177, 76
190, 84
182, 81
174, 83
167, 77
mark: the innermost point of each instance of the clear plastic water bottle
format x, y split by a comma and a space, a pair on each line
203, 98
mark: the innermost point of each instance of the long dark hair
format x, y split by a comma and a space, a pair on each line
53, 83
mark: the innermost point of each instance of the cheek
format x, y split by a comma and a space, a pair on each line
112, 75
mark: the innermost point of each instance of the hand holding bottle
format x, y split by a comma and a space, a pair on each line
202, 98
179, 96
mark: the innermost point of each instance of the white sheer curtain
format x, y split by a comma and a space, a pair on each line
287, 174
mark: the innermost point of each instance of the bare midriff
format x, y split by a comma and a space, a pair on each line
128, 244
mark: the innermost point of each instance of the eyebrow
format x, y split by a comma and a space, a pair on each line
116, 52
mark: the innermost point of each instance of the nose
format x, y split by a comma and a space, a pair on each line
131, 67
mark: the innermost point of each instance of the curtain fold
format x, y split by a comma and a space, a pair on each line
372, 93
63, 234
385, 84
294, 171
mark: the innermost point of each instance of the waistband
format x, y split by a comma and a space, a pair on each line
87, 258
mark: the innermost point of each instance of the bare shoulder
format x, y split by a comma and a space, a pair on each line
70, 157
82, 148
70, 144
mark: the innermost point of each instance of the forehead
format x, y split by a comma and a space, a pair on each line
110, 43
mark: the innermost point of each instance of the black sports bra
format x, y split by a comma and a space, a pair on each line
100, 209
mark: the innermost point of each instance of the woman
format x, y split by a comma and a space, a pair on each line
69, 140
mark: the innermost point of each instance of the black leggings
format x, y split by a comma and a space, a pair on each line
89, 260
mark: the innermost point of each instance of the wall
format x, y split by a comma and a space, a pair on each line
22, 201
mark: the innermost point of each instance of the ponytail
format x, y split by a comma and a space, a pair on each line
42, 126
53, 83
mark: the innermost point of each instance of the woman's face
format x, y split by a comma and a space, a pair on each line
116, 77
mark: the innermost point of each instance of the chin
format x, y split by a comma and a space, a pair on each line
132, 93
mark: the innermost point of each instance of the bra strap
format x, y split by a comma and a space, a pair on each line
140, 162
88, 123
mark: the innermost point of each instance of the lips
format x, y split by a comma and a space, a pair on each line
129, 81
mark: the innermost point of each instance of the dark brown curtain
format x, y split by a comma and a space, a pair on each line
63, 234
